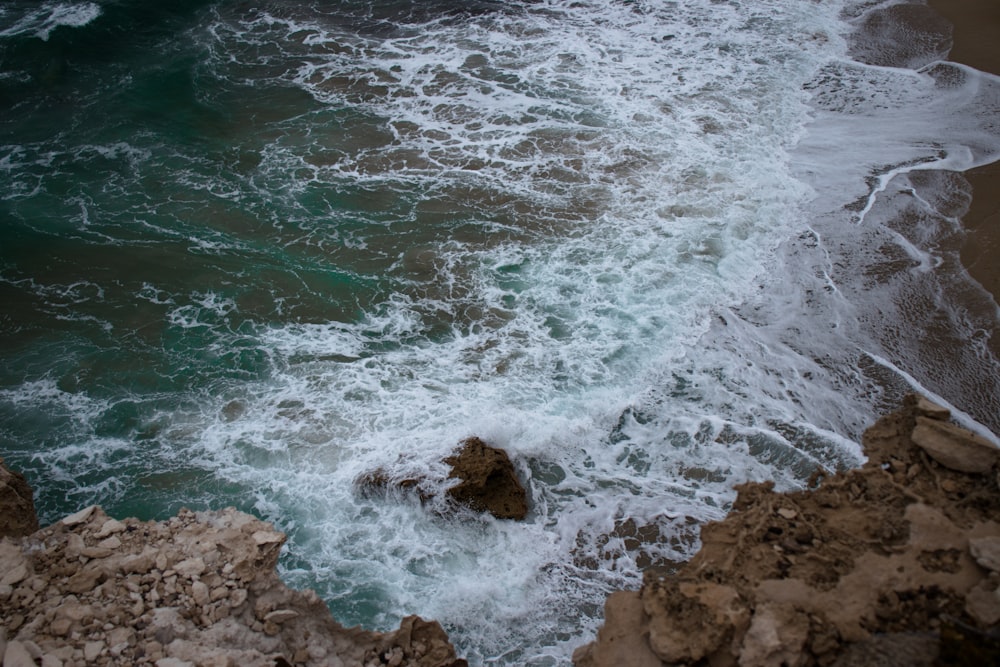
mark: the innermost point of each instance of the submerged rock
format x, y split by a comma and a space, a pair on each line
17, 509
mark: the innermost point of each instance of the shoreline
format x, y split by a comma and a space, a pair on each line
884, 564
975, 24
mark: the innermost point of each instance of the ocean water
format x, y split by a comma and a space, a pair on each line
251, 251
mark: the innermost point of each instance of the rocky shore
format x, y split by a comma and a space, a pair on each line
199, 589
893, 564
896, 563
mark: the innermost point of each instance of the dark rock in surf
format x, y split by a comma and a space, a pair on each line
380, 482
488, 482
17, 508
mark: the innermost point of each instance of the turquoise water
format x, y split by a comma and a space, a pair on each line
653, 249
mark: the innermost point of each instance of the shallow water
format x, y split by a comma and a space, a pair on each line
653, 249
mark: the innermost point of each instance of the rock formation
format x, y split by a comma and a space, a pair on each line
198, 589
896, 563
487, 481
17, 509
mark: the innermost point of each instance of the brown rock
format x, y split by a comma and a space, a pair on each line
199, 593
928, 408
85, 580
691, 621
92, 649
869, 562
58, 598
954, 447
488, 482
17, 508
621, 641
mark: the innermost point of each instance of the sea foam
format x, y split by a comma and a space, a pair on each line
652, 249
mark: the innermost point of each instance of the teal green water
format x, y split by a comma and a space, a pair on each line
141, 251
250, 252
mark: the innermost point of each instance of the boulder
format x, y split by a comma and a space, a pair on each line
487, 481
17, 509
954, 447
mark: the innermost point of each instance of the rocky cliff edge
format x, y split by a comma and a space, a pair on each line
893, 564
197, 590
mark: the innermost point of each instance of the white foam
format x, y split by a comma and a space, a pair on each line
654, 185
51, 15
875, 123
609, 239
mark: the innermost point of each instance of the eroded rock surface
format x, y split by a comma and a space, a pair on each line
488, 482
198, 589
877, 566
17, 509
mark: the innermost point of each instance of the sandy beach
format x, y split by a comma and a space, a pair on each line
976, 27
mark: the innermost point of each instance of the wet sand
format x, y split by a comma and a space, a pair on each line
976, 31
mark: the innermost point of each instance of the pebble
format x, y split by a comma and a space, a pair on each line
17, 655
79, 517
91, 650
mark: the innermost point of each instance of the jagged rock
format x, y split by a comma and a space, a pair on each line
954, 447
380, 482
199, 589
859, 570
17, 509
488, 482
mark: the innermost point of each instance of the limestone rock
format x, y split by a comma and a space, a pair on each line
928, 408
954, 447
986, 551
17, 655
488, 482
17, 510
775, 638
866, 567
983, 604
77, 518
621, 639
198, 589
691, 620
